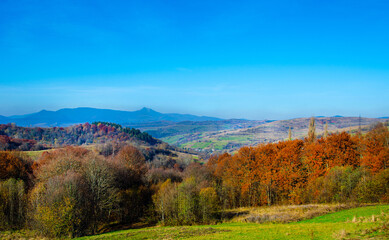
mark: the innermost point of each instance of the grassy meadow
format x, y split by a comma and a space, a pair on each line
370, 222
367, 222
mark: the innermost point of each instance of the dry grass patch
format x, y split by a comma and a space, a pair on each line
283, 214
21, 235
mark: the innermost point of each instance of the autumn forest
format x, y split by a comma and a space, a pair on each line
94, 177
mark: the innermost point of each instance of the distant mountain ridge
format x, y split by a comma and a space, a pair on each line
70, 116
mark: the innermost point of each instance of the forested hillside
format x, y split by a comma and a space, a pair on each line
13, 137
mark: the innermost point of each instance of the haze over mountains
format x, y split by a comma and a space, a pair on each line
70, 116
189, 131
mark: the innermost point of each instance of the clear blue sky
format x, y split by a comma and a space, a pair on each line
232, 59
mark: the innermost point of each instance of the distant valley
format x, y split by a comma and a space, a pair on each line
200, 133
263, 132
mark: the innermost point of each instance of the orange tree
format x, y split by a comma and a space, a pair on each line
376, 149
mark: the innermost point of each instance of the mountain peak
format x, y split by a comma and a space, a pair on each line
145, 109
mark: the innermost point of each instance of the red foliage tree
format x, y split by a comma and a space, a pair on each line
14, 165
376, 149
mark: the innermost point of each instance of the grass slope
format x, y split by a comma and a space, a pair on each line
337, 225
349, 214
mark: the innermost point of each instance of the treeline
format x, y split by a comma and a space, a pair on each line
8, 143
335, 168
13, 137
74, 191
133, 132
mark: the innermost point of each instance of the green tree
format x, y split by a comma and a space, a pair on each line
165, 202
209, 203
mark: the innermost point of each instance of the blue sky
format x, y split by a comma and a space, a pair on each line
248, 59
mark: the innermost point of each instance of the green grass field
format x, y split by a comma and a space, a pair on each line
218, 143
201, 144
34, 155
173, 139
347, 224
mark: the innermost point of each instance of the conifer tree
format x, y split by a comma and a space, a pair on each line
290, 133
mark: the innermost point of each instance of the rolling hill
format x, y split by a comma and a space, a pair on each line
106, 137
166, 129
13, 137
230, 140
70, 116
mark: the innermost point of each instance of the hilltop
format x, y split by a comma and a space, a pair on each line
103, 136
81, 134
